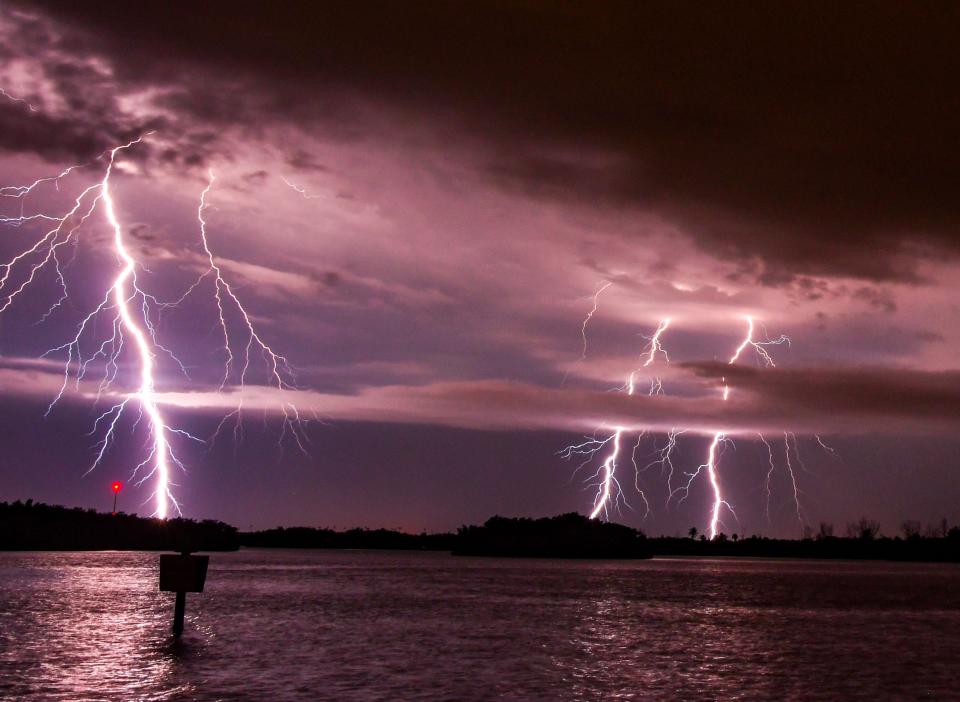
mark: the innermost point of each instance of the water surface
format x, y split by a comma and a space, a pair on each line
341, 625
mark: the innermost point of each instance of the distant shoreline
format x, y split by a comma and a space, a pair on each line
29, 526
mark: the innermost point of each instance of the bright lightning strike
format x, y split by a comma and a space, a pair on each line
655, 346
711, 465
758, 346
122, 297
128, 313
608, 486
608, 481
609, 490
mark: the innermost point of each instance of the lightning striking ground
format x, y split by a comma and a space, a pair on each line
122, 299
128, 313
712, 463
608, 485
609, 490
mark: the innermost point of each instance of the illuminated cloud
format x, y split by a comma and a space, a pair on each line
852, 401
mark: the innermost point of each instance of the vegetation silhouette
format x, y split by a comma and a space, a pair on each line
939, 543
40, 527
565, 536
29, 526
384, 539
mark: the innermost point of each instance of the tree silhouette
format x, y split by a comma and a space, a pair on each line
865, 529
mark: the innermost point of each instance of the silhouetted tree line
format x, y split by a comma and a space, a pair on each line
36, 526
862, 541
565, 536
29, 526
306, 537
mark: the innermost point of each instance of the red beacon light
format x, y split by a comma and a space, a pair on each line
116, 486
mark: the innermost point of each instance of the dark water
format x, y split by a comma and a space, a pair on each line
300, 625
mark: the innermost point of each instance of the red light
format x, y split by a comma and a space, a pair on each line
116, 485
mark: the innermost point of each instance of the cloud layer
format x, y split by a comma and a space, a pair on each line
787, 160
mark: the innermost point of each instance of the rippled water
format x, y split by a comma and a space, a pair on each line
288, 625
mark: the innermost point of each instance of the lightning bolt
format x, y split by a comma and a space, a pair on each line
655, 345
793, 477
609, 490
758, 346
609, 467
711, 465
122, 297
129, 314
608, 487
586, 320
712, 462
279, 371
14, 98
718, 501
160, 453
301, 190
710, 468
769, 478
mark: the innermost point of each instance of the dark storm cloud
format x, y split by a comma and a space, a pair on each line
89, 119
792, 138
90, 128
855, 401
846, 401
863, 394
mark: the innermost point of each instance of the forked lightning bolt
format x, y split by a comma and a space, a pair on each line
713, 452
122, 298
608, 486
127, 312
278, 368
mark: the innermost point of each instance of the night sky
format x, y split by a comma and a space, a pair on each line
416, 204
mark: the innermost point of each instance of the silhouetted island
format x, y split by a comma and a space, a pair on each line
576, 536
565, 536
943, 548
29, 526
385, 539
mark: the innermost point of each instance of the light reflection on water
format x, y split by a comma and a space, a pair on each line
285, 625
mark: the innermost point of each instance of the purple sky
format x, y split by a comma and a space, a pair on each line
416, 206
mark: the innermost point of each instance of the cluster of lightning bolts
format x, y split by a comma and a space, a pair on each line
608, 442
130, 315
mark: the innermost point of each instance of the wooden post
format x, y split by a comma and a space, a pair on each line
178, 611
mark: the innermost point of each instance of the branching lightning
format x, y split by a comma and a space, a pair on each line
124, 324
713, 456
609, 491
713, 451
608, 486
129, 314
279, 371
